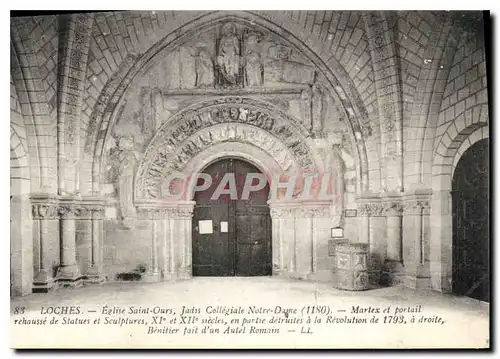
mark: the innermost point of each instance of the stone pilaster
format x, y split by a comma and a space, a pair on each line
393, 267
416, 247
68, 273
45, 219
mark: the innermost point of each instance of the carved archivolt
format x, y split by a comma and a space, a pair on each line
227, 119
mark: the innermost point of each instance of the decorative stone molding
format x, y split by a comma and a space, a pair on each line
52, 207
44, 211
43, 206
393, 208
371, 209
278, 213
417, 207
301, 210
227, 119
417, 203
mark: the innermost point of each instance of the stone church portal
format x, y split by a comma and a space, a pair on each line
393, 105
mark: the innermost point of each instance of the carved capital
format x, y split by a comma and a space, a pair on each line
300, 211
393, 208
72, 211
313, 212
417, 207
43, 206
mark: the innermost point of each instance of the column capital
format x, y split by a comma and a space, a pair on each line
417, 202
299, 209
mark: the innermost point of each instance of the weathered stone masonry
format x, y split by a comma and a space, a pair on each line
105, 105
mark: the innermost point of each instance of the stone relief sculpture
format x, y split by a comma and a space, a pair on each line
253, 66
127, 158
317, 108
204, 69
228, 55
334, 165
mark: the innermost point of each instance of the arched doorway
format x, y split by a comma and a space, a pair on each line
470, 204
231, 234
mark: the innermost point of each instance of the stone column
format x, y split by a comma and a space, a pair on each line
393, 268
94, 272
415, 241
68, 274
371, 231
45, 220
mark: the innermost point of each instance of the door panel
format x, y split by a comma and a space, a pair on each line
245, 249
470, 205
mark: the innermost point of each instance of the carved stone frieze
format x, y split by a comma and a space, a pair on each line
44, 211
417, 207
393, 208
57, 208
303, 211
221, 120
164, 213
278, 213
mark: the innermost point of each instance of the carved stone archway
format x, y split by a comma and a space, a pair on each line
235, 127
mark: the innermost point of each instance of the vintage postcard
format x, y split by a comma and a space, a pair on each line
250, 179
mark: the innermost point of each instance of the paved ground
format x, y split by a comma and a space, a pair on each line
278, 316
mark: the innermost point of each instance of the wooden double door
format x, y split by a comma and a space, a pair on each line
471, 235
231, 234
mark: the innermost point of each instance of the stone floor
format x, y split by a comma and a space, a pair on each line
464, 322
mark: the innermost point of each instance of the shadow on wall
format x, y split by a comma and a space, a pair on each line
134, 275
